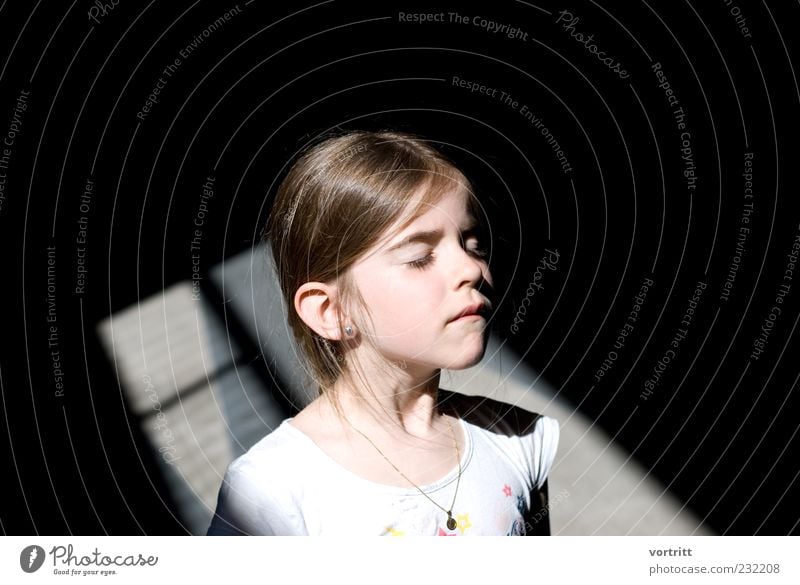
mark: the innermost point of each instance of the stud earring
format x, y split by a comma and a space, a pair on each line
348, 330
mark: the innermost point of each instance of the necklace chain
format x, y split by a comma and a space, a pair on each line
451, 524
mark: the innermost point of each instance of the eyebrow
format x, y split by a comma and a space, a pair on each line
429, 236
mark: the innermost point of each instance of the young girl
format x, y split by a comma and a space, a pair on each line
377, 245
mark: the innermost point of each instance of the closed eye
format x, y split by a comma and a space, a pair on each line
421, 263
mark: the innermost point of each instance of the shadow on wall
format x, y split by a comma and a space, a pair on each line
209, 367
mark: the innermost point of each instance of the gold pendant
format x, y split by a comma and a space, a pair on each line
451, 523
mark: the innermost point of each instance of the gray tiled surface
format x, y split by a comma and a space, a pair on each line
595, 486
169, 343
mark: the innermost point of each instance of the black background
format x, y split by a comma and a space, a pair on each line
719, 428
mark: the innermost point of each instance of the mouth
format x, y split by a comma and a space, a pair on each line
474, 311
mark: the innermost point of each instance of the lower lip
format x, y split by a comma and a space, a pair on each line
469, 318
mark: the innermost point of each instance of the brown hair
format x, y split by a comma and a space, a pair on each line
335, 203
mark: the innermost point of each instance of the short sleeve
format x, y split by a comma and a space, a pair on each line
250, 504
545, 439
538, 433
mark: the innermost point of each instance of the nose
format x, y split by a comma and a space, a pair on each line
470, 269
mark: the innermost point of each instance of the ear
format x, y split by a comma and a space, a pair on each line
315, 303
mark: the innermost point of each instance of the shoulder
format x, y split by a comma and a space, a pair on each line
274, 463
270, 449
495, 416
261, 489
533, 437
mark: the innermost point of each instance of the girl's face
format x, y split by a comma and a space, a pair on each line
419, 281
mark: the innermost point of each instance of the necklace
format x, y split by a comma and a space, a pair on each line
451, 522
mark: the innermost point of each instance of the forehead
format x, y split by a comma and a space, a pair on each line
452, 207
449, 211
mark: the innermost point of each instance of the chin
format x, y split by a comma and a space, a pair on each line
466, 359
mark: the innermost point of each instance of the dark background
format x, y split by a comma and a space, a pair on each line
719, 429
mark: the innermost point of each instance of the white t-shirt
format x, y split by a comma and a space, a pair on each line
286, 485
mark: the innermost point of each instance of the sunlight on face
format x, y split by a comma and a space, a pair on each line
417, 283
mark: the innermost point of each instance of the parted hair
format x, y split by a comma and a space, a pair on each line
339, 199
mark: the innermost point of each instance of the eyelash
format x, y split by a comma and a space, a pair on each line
423, 263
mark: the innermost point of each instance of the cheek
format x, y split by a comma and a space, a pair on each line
401, 306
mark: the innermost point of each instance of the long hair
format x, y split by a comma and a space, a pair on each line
337, 201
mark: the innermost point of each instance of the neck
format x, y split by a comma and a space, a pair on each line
404, 404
